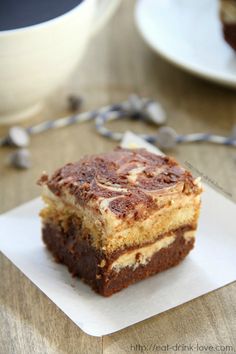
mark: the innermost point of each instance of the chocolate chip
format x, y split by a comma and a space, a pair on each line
74, 103
136, 104
155, 113
17, 136
166, 138
20, 159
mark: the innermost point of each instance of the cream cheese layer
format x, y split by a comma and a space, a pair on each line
143, 255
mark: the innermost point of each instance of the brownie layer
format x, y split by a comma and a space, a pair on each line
74, 250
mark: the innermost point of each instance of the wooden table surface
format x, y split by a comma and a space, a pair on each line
116, 64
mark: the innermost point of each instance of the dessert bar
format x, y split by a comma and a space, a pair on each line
119, 217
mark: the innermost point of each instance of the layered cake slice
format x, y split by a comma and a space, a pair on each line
119, 217
228, 19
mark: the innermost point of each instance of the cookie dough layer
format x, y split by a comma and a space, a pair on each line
110, 235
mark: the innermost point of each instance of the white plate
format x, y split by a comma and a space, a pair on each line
209, 266
188, 33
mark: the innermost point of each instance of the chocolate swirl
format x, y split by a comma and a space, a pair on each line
128, 180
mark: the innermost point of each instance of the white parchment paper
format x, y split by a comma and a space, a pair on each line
209, 266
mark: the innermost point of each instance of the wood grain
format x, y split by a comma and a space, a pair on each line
116, 64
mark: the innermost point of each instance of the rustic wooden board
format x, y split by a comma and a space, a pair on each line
116, 64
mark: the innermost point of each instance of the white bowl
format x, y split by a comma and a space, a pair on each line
36, 60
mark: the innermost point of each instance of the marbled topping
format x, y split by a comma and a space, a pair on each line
129, 181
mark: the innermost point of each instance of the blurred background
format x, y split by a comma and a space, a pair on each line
118, 61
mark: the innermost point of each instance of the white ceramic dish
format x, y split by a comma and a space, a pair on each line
188, 33
36, 60
209, 266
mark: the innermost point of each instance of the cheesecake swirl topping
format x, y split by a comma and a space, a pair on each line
124, 182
